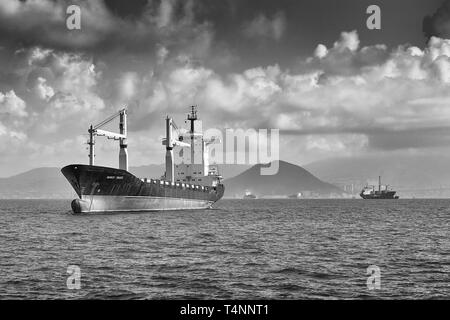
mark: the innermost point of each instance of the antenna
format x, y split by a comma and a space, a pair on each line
192, 117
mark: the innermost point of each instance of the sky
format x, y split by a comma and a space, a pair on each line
311, 69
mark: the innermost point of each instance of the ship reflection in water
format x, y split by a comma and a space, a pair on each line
369, 192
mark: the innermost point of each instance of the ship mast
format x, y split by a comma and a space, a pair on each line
379, 183
192, 117
169, 150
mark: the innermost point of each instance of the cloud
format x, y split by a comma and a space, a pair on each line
326, 144
345, 90
127, 86
13, 135
161, 54
165, 12
43, 23
321, 51
348, 41
344, 58
44, 91
11, 104
52, 91
371, 93
264, 27
342, 99
438, 24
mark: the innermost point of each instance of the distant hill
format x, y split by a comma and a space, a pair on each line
410, 175
289, 180
50, 183
36, 183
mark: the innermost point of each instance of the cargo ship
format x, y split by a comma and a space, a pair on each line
191, 184
369, 192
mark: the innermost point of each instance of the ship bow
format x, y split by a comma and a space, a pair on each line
72, 174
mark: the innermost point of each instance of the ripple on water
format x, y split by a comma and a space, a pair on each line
240, 250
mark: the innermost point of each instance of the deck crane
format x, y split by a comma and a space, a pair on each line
170, 143
122, 137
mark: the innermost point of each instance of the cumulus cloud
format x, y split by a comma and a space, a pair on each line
344, 58
348, 41
44, 91
344, 98
321, 51
11, 104
378, 91
53, 90
266, 27
359, 97
73, 91
13, 135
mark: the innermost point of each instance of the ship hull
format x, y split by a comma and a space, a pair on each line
104, 189
384, 195
135, 204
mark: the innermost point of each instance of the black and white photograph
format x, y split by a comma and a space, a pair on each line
240, 152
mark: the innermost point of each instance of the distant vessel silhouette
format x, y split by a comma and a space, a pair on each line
249, 195
295, 196
369, 192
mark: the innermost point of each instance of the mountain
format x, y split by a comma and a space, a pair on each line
411, 176
36, 183
290, 179
50, 183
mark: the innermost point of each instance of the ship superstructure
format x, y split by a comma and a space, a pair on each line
191, 184
193, 166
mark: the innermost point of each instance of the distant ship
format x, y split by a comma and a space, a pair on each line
249, 195
369, 192
187, 185
295, 196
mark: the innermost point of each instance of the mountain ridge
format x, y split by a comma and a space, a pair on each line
290, 179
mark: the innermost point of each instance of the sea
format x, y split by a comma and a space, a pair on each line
240, 249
